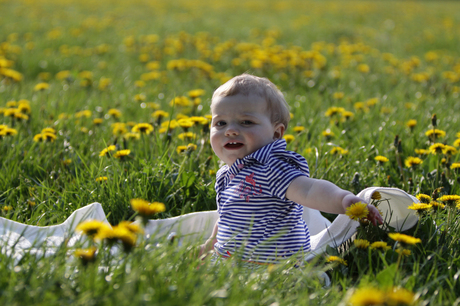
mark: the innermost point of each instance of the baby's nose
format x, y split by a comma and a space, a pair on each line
231, 131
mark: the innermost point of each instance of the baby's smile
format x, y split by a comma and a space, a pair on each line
233, 145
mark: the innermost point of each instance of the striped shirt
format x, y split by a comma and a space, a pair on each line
256, 220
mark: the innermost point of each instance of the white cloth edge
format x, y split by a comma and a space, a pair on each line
16, 238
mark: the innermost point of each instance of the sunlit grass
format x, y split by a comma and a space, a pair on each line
110, 102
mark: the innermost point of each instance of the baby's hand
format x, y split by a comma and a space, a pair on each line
373, 215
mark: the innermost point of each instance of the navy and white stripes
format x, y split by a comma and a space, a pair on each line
256, 220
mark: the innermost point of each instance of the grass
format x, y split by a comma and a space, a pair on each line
386, 62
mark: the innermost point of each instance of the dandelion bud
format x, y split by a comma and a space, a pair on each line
399, 147
395, 142
434, 120
355, 181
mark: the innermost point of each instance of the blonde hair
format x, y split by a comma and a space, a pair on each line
247, 84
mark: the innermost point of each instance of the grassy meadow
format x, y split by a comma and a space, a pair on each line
108, 101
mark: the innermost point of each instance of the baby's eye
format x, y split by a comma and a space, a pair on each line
247, 122
220, 123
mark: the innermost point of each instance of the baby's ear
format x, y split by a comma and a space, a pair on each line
278, 131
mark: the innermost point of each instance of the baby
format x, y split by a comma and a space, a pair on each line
262, 187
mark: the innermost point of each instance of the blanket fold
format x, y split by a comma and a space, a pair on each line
16, 239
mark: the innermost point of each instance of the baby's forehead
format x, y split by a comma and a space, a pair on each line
252, 100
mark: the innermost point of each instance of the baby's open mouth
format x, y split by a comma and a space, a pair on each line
233, 145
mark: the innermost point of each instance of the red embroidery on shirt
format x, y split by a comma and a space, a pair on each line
248, 191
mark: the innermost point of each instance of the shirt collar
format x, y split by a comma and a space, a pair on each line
265, 153
262, 156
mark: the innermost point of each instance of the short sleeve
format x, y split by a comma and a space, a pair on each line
281, 176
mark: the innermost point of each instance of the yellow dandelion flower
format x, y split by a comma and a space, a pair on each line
347, 115
41, 86
101, 179
363, 68
51, 137
48, 130
372, 101
289, 138
180, 101
185, 123
132, 227
181, 149
140, 97
196, 93
139, 84
9, 132
332, 111
437, 205
420, 207
400, 296
404, 239
338, 95
98, 121
85, 113
376, 196
455, 166
339, 150
380, 245
11, 104
180, 116
411, 123
435, 133
191, 147
450, 200
113, 112
38, 138
381, 159
121, 153
449, 150
199, 120
424, 198
24, 108
357, 211
145, 208
91, 227
422, 152
7, 208
62, 75
86, 255
367, 296
132, 136
337, 259
437, 148
412, 161
457, 142
170, 124
186, 135
19, 115
10, 112
328, 133
107, 150
117, 234
119, 128
142, 128
361, 243
160, 114
403, 252
298, 129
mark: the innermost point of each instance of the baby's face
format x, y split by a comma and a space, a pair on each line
240, 126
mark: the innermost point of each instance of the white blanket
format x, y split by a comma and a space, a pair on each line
16, 239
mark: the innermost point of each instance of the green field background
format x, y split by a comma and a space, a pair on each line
389, 65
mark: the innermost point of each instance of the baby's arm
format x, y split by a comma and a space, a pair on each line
325, 196
209, 244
